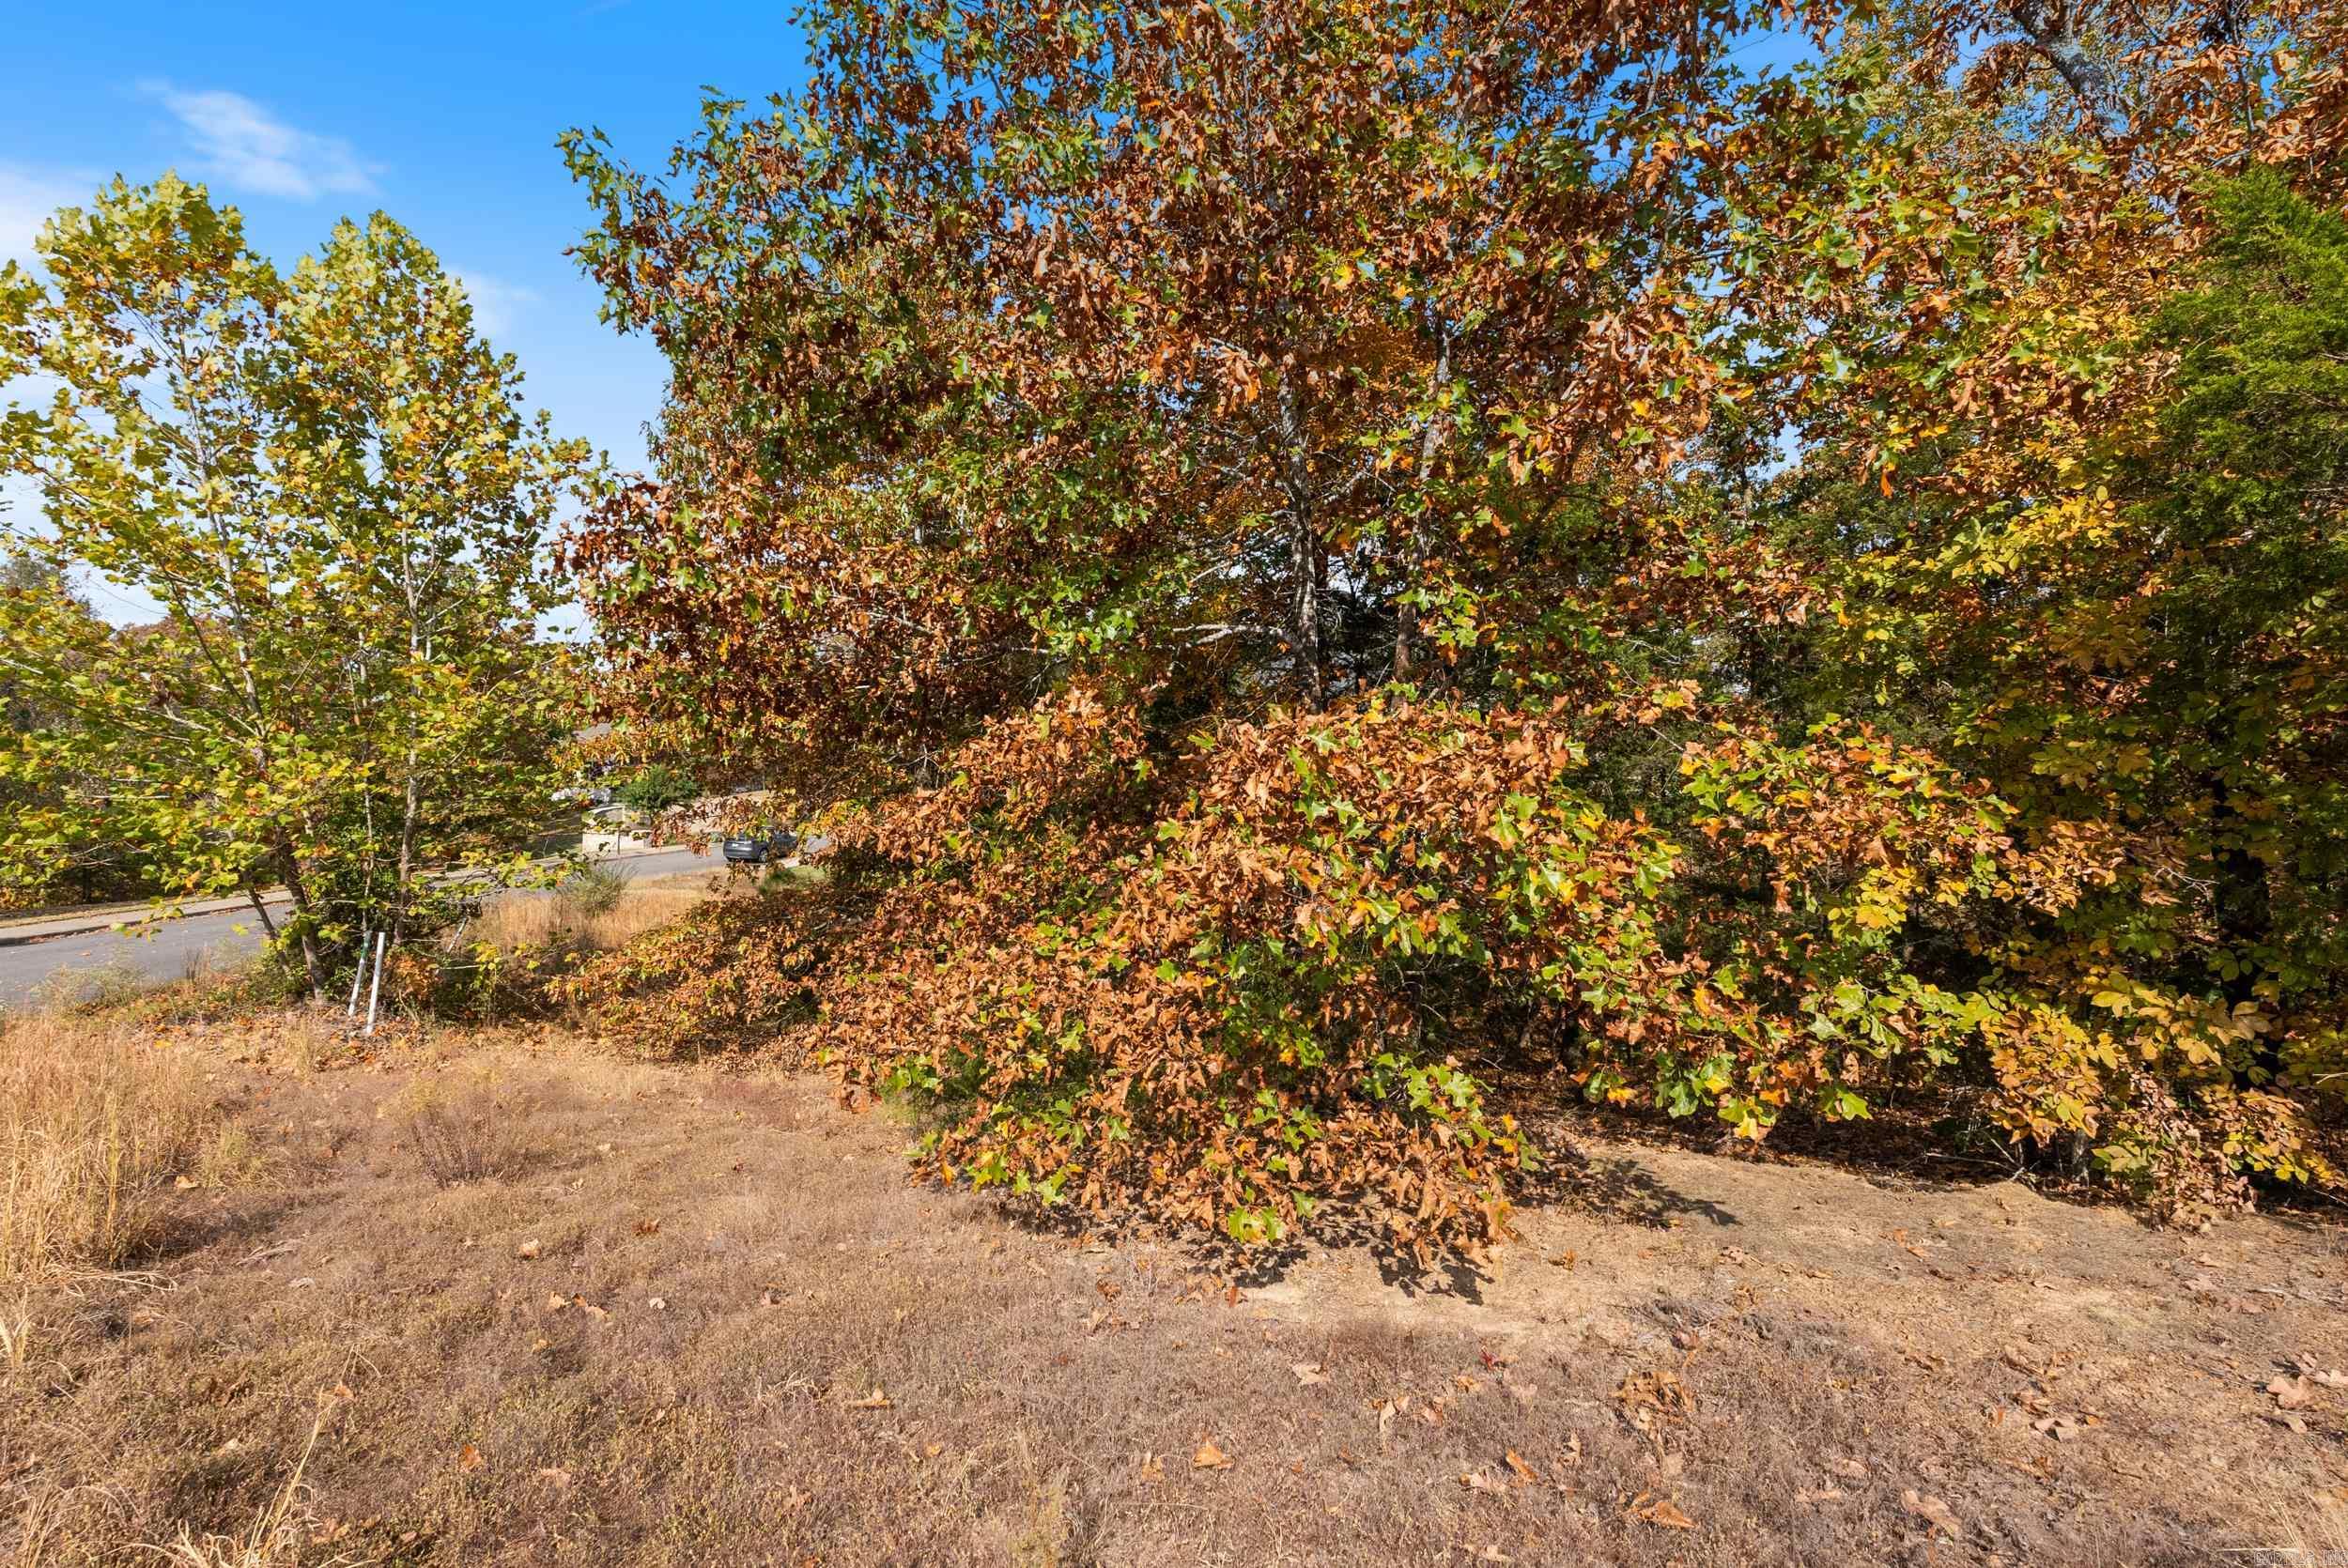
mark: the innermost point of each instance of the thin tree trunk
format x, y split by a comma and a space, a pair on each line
419, 656
290, 868
1415, 540
1305, 564
262, 910
407, 849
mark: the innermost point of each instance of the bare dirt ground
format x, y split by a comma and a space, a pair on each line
540, 1307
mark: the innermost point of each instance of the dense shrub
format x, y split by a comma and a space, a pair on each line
1327, 545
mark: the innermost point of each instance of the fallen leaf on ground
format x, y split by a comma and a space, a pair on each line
1476, 1481
1309, 1373
1934, 1512
1662, 1512
555, 1473
527, 1249
2292, 1394
1819, 1494
469, 1458
1515, 1463
1209, 1457
874, 1401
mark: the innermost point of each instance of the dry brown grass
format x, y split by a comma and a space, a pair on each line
471, 1122
520, 921
278, 1536
653, 1315
93, 1125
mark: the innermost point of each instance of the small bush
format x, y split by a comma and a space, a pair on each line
98, 989
522, 945
94, 1126
467, 1134
592, 891
732, 975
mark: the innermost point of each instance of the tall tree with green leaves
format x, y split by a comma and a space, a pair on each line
327, 481
1339, 541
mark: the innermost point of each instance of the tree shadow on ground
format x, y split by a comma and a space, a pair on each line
1616, 1189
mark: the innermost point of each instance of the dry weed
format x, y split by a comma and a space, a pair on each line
16, 1333
93, 988
512, 924
470, 1131
93, 1125
274, 1539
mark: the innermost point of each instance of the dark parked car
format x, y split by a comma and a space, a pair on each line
757, 848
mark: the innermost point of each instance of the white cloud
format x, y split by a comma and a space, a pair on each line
240, 144
27, 197
497, 304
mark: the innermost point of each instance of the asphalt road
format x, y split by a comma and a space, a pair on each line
173, 948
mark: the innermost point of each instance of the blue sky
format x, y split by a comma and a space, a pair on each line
443, 115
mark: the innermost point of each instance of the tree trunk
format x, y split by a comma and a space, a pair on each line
1415, 540
407, 849
313, 964
261, 909
1305, 562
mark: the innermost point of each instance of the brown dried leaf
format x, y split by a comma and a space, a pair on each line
1664, 1512
1934, 1512
2292, 1394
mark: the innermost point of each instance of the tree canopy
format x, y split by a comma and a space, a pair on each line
1357, 564
327, 482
